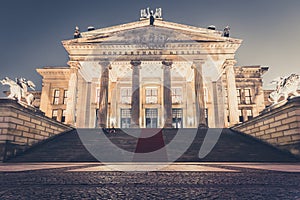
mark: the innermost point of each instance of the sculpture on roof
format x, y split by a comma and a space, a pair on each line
226, 31
147, 13
77, 33
284, 87
19, 89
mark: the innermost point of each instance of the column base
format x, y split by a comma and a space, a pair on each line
202, 126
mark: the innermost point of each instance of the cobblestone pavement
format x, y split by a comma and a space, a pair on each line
199, 181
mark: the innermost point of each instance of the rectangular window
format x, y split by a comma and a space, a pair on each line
97, 95
126, 95
54, 114
125, 118
151, 95
239, 96
63, 116
177, 118
176, 95
65, 96
151, 117
241, 118
56, 97
249, 114
248, 96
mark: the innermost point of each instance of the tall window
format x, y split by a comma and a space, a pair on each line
125, 118
126, 95
176, 95
177, 118
65, 96
151, 95
241, 118
56, 97
54, 114
249, 114
97, 95
248, 96
239, 96
63, 116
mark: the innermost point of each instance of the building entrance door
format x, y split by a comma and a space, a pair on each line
151, 118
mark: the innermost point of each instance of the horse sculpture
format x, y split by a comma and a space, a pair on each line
19, 89
285, 86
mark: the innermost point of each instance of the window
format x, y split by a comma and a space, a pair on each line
56, 97
247, 96
249, 114
151, 95
239, 96
126, 95
54, 114
177, 118
176, 95
63, 116
65, 96
125, 118
97, 95
241, 118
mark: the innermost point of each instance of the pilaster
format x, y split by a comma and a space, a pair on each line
167, 65
135, 99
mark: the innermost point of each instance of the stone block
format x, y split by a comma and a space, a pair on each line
16, 121
38, 127
24, 117
259, 124
45, 125
6, 137
272, 141
296, 137
34, 131
6, 125
28, 135
38, 122
38, 137
265, 136
275, 124
15, 132
282, 127
270, 130
284, 139
22, 128
32, 141
264, 127
289, 120
292, 113
44, 133
294, 125
259, 133
22, 140
281, 116
29, 124
291, 132
268, 121
276, 135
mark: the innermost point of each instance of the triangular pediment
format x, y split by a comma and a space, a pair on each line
141, 31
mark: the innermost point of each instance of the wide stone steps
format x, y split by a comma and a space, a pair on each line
122, 146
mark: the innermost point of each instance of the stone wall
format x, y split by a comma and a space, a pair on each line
22, 127
278, 125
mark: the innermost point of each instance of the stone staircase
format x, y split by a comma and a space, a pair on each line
230, 146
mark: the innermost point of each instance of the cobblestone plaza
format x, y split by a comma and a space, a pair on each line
177, 181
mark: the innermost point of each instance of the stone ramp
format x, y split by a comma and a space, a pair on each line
231, 146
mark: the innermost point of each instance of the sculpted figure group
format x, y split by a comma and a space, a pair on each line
19, 89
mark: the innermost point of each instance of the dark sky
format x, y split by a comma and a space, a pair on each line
32, 30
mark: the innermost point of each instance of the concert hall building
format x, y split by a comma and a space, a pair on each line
152, 75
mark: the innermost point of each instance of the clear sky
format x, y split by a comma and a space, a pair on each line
32, 30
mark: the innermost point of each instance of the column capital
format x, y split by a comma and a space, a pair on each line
197, 63
74, 64
167, 63
105, 63
229, 62
135, 63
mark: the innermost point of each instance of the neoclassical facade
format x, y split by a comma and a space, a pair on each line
152, 76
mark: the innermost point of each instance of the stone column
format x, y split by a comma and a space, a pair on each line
199, 92
231, 92
167, 65
135, 99
72, 93
103, 101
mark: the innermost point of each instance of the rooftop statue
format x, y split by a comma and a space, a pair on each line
284, 87
19, 89
147, 13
